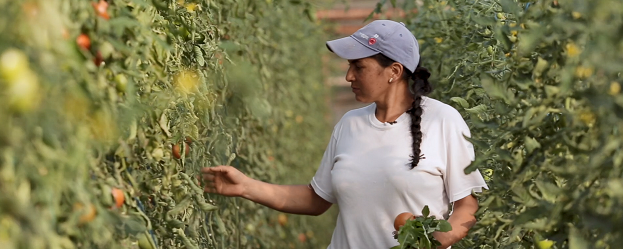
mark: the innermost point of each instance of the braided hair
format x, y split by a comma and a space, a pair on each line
420, 87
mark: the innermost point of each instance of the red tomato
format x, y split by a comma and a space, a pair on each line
119, 197
84, 41
101, 8
98, 59
302, 238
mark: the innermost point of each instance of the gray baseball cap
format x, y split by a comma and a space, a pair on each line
387, 37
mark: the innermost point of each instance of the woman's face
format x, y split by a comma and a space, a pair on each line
368, 79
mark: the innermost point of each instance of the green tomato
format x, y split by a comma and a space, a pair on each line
13, 63
23, 92
122, 82
144, 242
545, 244
107, 50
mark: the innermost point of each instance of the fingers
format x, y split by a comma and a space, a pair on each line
210, 190
208, 177
215, 169
210, 187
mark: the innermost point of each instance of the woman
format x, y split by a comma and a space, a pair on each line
398, 154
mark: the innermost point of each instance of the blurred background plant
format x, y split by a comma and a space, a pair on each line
110, 108
540, 85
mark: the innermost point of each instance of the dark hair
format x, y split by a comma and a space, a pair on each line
420, 87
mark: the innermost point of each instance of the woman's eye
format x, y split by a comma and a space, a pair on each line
355, 65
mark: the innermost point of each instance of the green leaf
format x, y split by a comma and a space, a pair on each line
199, 56
495, 90
479, 109
483, 21
444, 226
576, 240
503, 39
509, 6
529, 40
179, 207
529, 215
548, 190
551, 91
531, 144
425, 211
460, 101
522, 195
541, 65
134, 224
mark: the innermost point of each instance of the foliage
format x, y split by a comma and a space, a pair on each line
540, 85
418, 232
109, 109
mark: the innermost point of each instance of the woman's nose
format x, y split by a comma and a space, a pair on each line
350, 76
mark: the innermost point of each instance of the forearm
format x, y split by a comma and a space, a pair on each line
295, 199
461, 221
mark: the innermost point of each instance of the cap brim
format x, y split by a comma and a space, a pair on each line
350, 49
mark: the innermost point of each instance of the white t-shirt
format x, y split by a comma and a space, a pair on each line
366, 171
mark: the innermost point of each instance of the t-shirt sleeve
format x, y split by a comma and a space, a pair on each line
321, 182
459, 155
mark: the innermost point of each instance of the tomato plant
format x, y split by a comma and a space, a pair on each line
89, 120
539, 84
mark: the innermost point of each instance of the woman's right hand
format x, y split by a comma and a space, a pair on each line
295, 199
224, 180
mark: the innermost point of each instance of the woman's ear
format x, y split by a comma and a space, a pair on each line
397, 70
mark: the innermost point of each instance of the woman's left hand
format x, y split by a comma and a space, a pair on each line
461, 220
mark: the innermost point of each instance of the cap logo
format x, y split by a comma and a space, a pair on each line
371, 41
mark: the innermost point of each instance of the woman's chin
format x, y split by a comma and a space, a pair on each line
362, 99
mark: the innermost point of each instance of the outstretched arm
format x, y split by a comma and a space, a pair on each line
295, 199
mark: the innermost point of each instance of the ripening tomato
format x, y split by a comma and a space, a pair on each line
176, 150
87, 213
302, 238
101, 8
65, 33
98, 59
282, 219
401, 219
84, 41
118, 196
